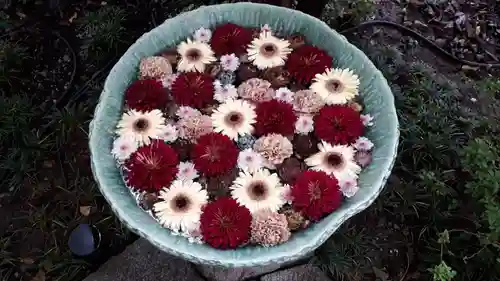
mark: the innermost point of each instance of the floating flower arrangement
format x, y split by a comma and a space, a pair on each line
241, 137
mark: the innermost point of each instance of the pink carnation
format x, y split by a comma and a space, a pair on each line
256, 89
194, 126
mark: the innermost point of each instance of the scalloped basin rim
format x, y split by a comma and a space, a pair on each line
376, 94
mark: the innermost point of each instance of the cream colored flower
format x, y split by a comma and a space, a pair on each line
180, 208
194, 56
258, 191
336, 86
234, 118
268, 51
142, 126
337, 160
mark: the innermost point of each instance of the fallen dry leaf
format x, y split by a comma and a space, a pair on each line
27, 260
72, 18
40, 276
85, 210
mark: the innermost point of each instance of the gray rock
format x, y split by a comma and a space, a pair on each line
305, 272
234, 274
142, 261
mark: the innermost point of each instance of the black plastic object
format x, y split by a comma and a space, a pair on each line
84, 240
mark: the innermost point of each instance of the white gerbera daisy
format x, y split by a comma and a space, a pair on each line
202, 35
229, 62
169, 133
123, 147
257, 191
367, 119
249, 160
187, 171
180, 209
268, 51
224, 92
349, 187
142, 126
233, 118
194, 56
284, 94
363, 144
304, 125
337, 160
336, 86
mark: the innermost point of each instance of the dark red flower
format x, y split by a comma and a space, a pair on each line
275, 117
338, 124
230, 38
146, 95
225, 224
152, 167
316, 194
193, 89
214, 154
307, 61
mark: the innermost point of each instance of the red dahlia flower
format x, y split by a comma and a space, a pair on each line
275, 117
315, 194
146, 95
230, 38
338, 124
152, 167
307, 61
193, 89
225, 224
214, 154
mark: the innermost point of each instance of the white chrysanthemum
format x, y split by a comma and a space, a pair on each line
367, 119
336, 86
194, 56
169, 133
349, 187
268, 51
304, 125
363, 144
168, 80
142, 126
284, 94
249, 160
224, 92
233, 118
187, 171
258, 191
186, 112
229, 62
123, 147
180, 209
202, 35
337, 160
